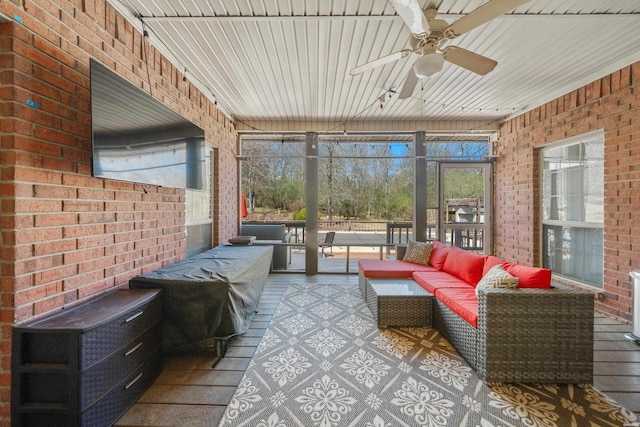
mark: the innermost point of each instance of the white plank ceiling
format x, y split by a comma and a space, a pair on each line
283, 65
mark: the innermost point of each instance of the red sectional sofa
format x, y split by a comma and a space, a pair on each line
536, 333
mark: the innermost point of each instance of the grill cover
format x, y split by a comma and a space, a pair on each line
210, 296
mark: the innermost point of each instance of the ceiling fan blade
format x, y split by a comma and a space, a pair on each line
471, 61
483, 14
409, 85
380, 61
412, 15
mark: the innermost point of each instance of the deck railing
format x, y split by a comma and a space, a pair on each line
465, 236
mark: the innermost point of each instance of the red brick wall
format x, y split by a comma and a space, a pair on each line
612, 104
64, 235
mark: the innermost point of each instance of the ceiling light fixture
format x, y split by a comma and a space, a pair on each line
428, 65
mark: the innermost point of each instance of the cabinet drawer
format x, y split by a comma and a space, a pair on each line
100, 342
104, 412
107, 410
100, 378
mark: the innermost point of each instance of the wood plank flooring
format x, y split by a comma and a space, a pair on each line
616, 367
195, 389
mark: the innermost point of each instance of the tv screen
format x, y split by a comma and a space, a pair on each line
137, 138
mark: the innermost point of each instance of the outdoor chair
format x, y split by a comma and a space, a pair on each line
271, 234
328, 243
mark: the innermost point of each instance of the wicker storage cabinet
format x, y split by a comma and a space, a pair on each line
86, 365
398, 302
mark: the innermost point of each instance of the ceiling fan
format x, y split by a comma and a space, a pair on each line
429, 33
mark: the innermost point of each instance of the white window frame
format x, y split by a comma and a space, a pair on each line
598, 134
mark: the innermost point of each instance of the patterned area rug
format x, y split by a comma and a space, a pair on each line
323, 362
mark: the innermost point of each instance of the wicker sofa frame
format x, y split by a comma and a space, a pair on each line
524, 335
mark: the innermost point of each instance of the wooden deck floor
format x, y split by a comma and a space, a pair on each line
616, 367
336, 263
195, 390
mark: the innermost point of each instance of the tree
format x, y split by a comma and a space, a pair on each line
356, 179
273, 173
254, 174
330, 184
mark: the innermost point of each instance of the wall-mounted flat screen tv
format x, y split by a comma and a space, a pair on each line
139, 139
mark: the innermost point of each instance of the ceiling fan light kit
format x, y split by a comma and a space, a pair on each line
429, 33
428, 65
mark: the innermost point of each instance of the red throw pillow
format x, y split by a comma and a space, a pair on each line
438, 255
464, 265
530, 277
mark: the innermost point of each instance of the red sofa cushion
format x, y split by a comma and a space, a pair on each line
491, 261
390, 269
464, 265
462, 301
529, 277
432, 280
438, 254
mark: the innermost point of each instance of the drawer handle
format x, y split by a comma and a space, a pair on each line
135, 316
133, 381
133, 349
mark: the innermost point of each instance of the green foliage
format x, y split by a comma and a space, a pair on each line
356, 180
282, 192
300, 215
461, 183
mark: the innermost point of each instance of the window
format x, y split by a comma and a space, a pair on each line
573, 208
198, 212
